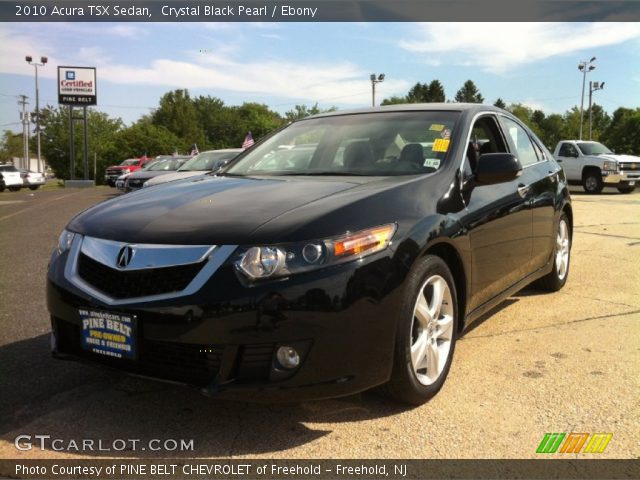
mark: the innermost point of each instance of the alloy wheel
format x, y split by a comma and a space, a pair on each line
562, 249
431, 330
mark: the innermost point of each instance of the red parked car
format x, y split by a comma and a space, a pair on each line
129, 165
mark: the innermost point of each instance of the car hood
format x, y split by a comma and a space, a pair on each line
142, 174
619, 158
172, 176
221, 210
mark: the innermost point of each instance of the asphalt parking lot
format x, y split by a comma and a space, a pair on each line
564, 362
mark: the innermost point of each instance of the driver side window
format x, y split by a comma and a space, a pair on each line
568, 150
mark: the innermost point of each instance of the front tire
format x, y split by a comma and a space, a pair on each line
426, 334
555, 280
592, 181
14, 189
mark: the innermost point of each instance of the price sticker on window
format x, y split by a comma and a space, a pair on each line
440, 145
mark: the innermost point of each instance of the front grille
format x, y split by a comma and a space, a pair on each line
180, 362
136, 183
121, 284
630, 166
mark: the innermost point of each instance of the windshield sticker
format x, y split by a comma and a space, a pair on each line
440, 145
436, 127
446, 133
431, 162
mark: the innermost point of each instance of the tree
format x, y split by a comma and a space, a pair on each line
102, 140
436, 92
177, 113
469, 93
623, 133
500, 103
395, 100
302, 111
11, 146
145, 138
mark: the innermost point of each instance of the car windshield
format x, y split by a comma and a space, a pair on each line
168, 165
593, 148
129, 162
207, 161
8, 168
375, 144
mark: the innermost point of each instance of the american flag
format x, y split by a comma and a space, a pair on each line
194, 150
248, 141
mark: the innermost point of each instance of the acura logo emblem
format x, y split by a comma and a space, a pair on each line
124, 256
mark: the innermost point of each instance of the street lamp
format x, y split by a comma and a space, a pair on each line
593, 86
374, 80
43, 61
585, 67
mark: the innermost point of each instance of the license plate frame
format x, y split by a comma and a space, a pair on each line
110, 334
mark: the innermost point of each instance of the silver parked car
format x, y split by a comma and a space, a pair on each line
162, 167
209, 161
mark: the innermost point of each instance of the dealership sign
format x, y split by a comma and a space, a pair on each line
77, 86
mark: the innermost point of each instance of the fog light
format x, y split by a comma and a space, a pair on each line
288, 357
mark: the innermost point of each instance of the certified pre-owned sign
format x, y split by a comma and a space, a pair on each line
77, 86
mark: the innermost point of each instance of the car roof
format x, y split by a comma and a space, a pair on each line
224, 150
412, 107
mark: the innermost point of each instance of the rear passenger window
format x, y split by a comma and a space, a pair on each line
520, 140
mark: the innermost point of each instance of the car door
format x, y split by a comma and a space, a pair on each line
538, 184
498, 221
569, 160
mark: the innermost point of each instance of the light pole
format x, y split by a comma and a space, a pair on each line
585, 67
593, 86
374, 80
43, 61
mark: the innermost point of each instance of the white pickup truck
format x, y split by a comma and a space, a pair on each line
595, 166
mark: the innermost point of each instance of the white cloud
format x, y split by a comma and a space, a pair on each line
499, 47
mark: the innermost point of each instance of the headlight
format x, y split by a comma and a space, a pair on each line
125, 170
611, 166
65, 241
273, 261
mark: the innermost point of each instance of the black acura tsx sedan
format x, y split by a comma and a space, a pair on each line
345, 251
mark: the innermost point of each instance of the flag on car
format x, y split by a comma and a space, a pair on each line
194, 150
248, 141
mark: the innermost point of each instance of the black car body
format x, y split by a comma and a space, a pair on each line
357, 265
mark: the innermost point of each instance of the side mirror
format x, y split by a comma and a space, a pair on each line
495, 168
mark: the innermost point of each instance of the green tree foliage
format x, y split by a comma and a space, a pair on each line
469, 93
500, 103
178, 114
10, 146
145, 138
395, 100
623, 133
302, 111
102, 139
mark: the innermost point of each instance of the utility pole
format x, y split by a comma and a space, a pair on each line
43, 61
374, 80
24, 116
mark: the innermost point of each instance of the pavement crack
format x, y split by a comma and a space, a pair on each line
608, 235
571, 294
553, 325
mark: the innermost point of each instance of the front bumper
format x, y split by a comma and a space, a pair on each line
620, 178
223, 338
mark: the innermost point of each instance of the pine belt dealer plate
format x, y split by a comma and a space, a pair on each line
109, 334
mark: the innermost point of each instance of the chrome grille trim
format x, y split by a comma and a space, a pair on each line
214, 256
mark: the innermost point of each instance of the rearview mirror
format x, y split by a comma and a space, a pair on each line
497, 168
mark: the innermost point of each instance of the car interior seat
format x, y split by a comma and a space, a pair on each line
358, 155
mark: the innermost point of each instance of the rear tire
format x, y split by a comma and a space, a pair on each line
14, 189
626, 189
426, 333
592, 181
34, 187
557, 277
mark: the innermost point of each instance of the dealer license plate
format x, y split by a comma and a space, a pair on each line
109, 334
631, 184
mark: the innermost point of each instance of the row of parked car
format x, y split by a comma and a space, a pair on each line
133, 174
16, 178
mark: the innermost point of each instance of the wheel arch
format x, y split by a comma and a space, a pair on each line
590, 168
447, 252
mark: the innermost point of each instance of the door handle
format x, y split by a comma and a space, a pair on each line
558, 160
523, 189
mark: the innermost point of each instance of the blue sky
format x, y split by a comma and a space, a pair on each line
284, 64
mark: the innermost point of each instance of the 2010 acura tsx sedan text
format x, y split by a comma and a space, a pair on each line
346, 251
